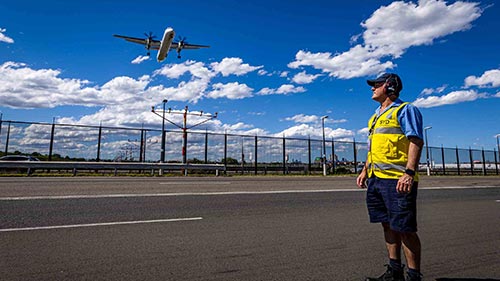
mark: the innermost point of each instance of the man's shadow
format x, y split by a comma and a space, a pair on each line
466, 279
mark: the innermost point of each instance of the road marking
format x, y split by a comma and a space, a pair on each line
459, 187
196, 183
97, 224
129, 195
498, 201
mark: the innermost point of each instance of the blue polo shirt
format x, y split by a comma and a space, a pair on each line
409, 118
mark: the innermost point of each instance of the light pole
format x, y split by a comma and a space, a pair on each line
324, 148
162, 156
427, 150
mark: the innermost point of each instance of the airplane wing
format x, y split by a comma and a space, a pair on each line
187, 46
155, 44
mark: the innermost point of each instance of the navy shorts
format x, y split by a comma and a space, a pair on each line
385, 204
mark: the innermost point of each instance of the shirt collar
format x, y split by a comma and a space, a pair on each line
395, 103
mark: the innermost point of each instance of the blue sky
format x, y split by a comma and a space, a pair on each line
273, 68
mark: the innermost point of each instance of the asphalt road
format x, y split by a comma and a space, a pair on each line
237, 228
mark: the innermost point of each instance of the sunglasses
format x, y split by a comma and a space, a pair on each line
378, 85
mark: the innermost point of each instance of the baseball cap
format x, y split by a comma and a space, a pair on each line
384, 77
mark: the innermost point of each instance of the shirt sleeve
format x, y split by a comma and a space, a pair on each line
411, 121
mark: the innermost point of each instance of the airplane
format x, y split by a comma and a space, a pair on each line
166, 44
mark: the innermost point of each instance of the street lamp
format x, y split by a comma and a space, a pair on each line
427, 150
162, 156
324, 148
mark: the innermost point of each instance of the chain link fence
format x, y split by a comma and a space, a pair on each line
241, 154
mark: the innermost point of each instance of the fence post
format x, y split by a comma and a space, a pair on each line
471, 161
484, 162
145, 145
206, 147
496, 161
225, 153
334, 160
52, 139
255, 156
99, 143
355, 157
442, 159
1, 121
309, 152
141, 148
458, 160
7, 139
284, 155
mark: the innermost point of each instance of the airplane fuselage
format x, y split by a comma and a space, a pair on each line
166, 42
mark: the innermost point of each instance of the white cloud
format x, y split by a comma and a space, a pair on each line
289, 89
282, 90
233, 66
230, 90
24, 87
140, 59
451, 98
5, 38
191, 91
364, 131
305, 130
429, 91
257, 113
490, 78
301, 118
196, 69
262, 72
389, 32
284, 74
304, 78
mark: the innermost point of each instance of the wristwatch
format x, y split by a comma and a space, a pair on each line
410, 172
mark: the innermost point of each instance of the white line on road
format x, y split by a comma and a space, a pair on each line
196, 183
97, 224
128, 195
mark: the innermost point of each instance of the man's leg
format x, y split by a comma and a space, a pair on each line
392, 242
412, 250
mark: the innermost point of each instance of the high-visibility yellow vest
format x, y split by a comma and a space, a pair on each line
388, 145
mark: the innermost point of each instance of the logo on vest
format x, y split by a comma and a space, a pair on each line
384, 122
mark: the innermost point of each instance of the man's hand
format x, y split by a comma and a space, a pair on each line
361, 179
404, 184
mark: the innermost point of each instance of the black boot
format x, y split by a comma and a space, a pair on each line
389, 275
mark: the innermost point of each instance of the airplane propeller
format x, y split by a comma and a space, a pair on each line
150, 35
182, 40
149, 40
181, 43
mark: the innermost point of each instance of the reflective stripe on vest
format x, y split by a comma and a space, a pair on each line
388, 146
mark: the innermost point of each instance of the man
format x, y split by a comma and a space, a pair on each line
390, 175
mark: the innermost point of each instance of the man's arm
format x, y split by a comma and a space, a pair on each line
414, 151
361, 179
